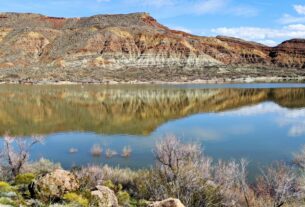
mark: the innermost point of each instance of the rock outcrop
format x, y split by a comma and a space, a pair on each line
104, 197
131, 47
171, 202
56, 184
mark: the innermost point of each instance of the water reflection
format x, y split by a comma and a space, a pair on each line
27, 110
294, 119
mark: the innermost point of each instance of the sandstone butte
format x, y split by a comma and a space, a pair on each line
133, 47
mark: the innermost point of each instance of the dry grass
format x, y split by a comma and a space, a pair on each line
41, 166
110, 153
126, 152
93, 175
96, 150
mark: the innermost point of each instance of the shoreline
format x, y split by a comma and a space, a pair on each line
248, 80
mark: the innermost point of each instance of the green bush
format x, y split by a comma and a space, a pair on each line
24, 179
5, 187
139, 203
77, 199
7, 201
123, 198
109, 184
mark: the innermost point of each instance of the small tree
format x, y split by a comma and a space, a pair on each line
15, 154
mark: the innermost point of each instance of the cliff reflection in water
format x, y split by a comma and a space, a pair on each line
134, 110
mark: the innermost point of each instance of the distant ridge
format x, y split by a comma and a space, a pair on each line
132, 47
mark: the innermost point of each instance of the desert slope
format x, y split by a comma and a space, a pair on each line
132, 47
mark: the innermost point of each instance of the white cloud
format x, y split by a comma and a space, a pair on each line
270, 36
203, 133
183, 29
290, 19
259, 109
158, 3
296, 27
271, 43
297, 131
207, 6
300, 9
100, 1
172, 8
245, 11
263, 35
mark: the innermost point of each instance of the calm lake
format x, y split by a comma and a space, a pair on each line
263, 123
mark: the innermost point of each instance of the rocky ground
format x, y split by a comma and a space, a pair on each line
63, 185
133, 47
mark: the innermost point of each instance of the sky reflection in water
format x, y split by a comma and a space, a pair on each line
262, 133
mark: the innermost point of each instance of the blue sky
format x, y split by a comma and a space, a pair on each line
265, 21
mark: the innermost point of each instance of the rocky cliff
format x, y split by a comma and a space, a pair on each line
130, 47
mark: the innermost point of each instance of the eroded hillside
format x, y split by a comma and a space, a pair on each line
131, 47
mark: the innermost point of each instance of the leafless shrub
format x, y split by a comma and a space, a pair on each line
110, 153
90, 176
299, 158
96, 150
171, 154
126, 152
231, 177
278, 184
181, 171
184, 172
15, 154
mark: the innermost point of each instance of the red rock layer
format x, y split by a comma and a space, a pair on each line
132, 40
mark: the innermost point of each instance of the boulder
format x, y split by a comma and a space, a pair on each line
104, 197
56, 184
171, 202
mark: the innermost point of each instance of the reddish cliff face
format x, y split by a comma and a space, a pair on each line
136, 46
290, 53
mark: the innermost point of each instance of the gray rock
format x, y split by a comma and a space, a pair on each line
56, 184
171, 202
104, 197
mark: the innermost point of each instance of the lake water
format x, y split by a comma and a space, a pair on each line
263, 123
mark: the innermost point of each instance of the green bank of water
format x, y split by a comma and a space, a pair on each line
260, 122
